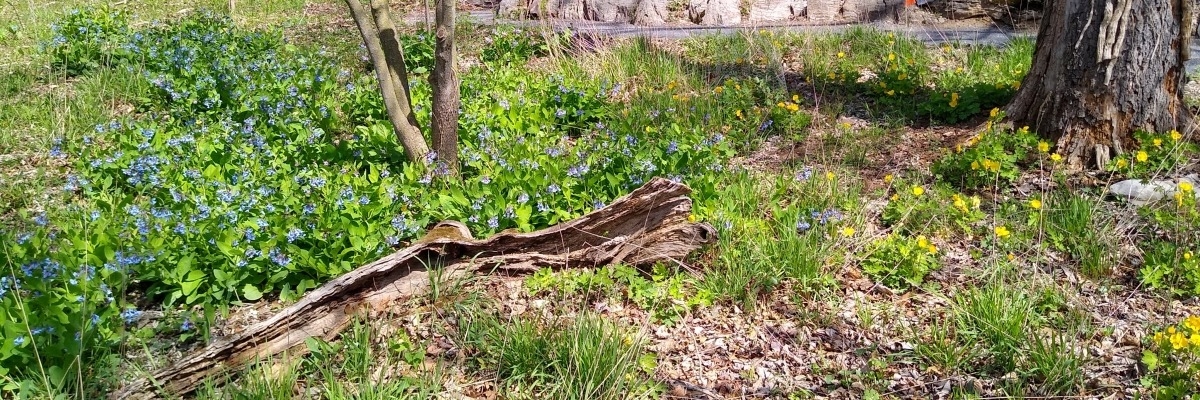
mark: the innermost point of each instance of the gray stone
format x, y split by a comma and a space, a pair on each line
1139, 192
776, 10
824, 10
650, 12
715, 12
611, 10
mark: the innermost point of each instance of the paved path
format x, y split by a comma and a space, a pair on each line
931, 35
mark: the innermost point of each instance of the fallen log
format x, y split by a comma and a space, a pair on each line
648, 226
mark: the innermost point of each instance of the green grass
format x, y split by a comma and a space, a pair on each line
1075, 225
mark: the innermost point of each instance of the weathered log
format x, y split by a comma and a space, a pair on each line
648, 226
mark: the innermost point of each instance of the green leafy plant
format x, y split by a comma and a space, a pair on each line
1172, 360
913, 210
1172, 254
1155, 154
990, 158
901, 262
87, 39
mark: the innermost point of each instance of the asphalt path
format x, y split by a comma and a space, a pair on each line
930, 35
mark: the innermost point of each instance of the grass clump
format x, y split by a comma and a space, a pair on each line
586, 358
991, 158
1074, 225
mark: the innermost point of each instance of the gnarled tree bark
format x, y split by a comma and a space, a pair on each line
648, 226
1103, 69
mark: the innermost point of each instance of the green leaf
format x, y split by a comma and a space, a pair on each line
1150, 359
192, 282
250, 292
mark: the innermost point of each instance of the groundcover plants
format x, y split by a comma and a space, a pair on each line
208, 168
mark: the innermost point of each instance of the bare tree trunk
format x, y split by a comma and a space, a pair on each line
389, 41
1103, 69
399, 109
445, 88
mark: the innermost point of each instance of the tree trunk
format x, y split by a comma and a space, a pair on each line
444, 80
1103, 69
399, 109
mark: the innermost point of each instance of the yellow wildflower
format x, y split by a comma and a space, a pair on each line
796, 98
1002, 232
891, 92
691, 217
902, 76
1142, 156
1035, 204
895, 197
995, 112
829, 175
719, 89
1122, 163
847, 231
1192, 323
1158, 337
990, 165
1011, 257
922, 241
1043, 146
1157, 142
1175, 135
960, 204
932, 249
917, 190
975, 202
832, 76
1171, 330
841, 54
954, 100
1195, 339
1055, 157
888, 179
1178, 341
891, 57
739, 114
974, 165
1187, 256
1185, 186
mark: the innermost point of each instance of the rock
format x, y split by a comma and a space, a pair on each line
958, 9
715, 12
871, 10
1139, 192
824, 10
650, 12
776, 10
611, 10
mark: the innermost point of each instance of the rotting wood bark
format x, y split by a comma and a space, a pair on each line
1103, 69
650, 225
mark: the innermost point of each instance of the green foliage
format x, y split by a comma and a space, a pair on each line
255, 169
1172, 360
1054, 365
418, 50
1074, 225
811, 215
87, 39
1155, 154
914, 210
898, 73
991, 158
1172, 251
516, 45
666, 295
901, 262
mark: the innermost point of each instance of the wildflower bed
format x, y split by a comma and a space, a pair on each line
253, 168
